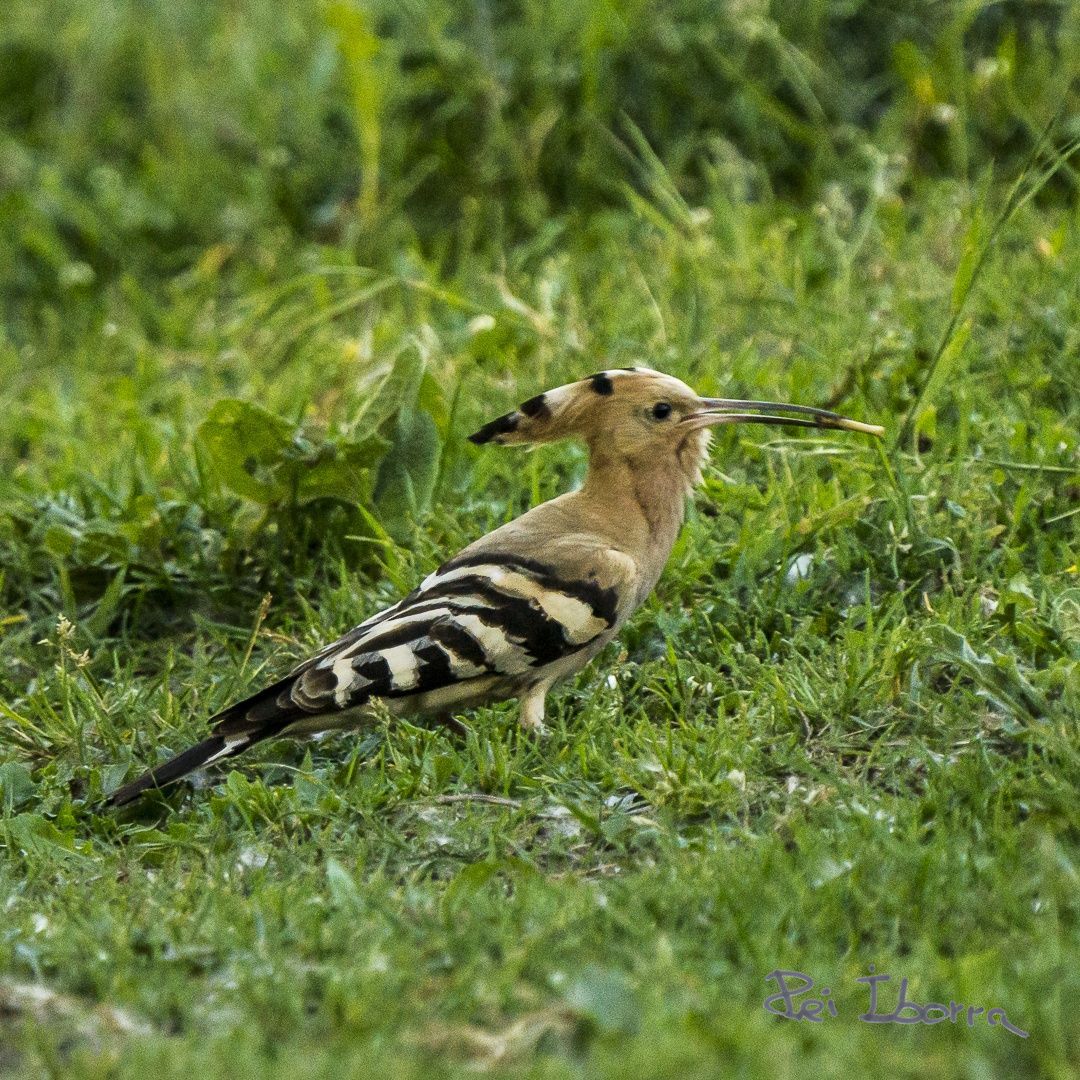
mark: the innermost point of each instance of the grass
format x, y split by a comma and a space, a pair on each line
842, 733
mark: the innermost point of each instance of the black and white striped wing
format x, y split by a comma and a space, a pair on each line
479, 624
477, 617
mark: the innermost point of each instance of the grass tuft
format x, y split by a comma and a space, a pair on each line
268, 265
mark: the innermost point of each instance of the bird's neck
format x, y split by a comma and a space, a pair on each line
641, 502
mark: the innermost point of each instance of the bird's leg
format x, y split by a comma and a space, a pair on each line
531, 714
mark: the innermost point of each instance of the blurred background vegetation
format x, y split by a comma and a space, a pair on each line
298, 203
264, 265
138, 137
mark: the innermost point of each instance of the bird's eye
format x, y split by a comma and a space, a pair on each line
661, 410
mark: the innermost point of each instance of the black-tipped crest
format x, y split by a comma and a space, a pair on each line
501, 425
536, 408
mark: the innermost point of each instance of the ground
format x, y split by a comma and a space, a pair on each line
842, 732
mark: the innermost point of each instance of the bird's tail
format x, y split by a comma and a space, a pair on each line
240, 726
209, 750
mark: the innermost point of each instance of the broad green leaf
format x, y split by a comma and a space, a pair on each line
407, 474
16, 786
245, 445
58, 541
1067, 615
402, 388
34, 835
264, 458
999, 675
432, 400
396, 389
342, 471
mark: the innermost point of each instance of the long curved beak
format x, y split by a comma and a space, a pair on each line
715, 411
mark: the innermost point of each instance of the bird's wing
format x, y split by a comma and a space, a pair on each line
481, 615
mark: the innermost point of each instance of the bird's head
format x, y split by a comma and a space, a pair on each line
638, 414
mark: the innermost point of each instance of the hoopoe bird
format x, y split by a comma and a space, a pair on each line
530, 603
